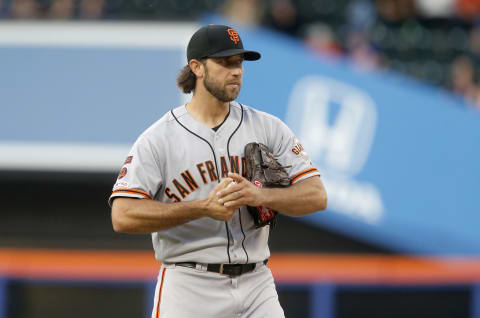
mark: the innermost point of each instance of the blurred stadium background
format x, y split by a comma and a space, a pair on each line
384, 94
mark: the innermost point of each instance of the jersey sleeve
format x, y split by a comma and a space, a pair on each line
140, 176
290, 152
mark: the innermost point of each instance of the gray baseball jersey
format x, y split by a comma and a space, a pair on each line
180, 159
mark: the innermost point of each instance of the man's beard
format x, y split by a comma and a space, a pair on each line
221, 94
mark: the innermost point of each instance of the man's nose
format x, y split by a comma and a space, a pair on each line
237, 71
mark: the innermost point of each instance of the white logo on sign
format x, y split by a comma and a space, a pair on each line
336, 122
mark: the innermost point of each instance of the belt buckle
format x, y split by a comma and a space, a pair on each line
230, 271
236, 270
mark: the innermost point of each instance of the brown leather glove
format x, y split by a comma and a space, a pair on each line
263, 170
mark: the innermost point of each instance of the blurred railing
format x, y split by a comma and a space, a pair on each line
320, 276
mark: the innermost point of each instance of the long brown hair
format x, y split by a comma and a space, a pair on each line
186, 80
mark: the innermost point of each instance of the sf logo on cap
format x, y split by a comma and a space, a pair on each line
233, 35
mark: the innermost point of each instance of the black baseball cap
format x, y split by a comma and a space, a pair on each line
217, 41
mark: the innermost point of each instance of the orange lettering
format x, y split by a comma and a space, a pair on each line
202, 172
172, 195
211, 171
189, 180
224, 168
244, 167
183, 191
234, 167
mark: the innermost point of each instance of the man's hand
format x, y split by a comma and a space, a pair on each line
213, 207
239, 193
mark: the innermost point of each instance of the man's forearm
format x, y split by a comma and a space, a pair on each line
302, 198
147, 216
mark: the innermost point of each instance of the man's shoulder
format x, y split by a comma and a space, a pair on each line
159, 127
254, 113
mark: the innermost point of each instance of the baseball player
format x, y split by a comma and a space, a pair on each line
184, 182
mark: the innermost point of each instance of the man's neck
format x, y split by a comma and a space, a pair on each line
208, 110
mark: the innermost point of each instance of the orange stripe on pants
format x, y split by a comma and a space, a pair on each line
160, 292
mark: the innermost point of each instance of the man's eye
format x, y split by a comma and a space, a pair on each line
235, 63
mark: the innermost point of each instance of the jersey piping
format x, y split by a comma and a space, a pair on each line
243, 232
224, 120
230, 160
216, 169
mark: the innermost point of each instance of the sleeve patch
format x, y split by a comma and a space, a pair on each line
299, 151
297, 147
122, 173
128, 160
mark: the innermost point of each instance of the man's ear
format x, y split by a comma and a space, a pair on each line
197, 67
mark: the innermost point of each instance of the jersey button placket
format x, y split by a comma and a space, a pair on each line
217, 149
233, 252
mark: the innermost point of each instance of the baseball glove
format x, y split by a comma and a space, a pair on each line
263, 170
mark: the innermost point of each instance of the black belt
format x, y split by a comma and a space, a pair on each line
226, 269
